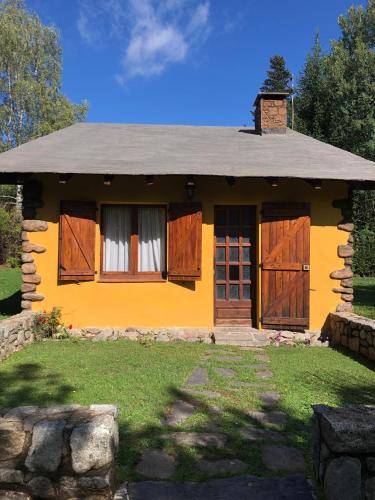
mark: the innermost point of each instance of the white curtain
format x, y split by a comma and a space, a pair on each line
117, 231
151, 239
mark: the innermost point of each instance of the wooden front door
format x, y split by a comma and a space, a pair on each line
234, 269
285, 266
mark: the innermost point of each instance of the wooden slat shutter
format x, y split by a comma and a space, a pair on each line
77, 241
285, 265
185, 242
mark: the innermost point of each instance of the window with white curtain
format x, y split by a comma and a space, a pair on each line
133, 239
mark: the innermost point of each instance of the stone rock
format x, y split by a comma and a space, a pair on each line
29, 247
268, 418
370, 462
11, 476
347, 282
181, 410
350, 429
34, 225
93, 483
31, 278
28, 287
264, 374
156, 464
28, 268
94, 444
225, 372
14, 495
33, 297
269, 398
346, 226
41, 487
282, 458
341, 274
24, 236
342, 479
46, 446
12, 440
103, 408
26, 304
198, 377
347, 298
224, 466
27, 257
202, 439
345, 307
345, 251
255, 434
343, 290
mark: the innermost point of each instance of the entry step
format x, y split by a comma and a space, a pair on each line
244, 337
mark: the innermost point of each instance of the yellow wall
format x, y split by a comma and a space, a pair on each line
170, 303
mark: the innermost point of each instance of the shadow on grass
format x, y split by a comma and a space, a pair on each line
364, 295
11, 305
19, 387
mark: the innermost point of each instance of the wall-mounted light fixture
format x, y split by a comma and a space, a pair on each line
150, 181
64, 178
315, 183
273, 181
108, 180
190, 187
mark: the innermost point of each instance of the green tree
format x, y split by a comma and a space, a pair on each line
31, 101
279, 77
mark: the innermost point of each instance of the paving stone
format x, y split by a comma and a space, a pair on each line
203, 439
181, 410
198, 377
264, 374
224, 466
262, 357
254, 434
156, 464
234, 488
270, 397
265, 418
204, 393
229, 358
225, 372
282, 458
255, 385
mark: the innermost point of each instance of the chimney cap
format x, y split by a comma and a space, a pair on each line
271, 95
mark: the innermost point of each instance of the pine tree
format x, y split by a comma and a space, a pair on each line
279, 77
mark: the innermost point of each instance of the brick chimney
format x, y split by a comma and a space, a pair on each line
271, 113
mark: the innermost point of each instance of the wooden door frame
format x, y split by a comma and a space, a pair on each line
254, 271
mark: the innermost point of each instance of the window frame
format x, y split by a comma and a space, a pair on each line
133, 275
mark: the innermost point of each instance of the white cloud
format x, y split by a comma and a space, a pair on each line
154, 33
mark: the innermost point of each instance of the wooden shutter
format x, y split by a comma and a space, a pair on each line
285, 265
185, 241
77, 241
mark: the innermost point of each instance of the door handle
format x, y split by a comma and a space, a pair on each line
306, 267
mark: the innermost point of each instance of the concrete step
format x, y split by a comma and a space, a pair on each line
242, 339
235, 329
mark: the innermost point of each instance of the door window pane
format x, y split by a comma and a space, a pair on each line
246, 292
234, 273
234, 292
117, 230
151, 239
220, 254
220, 235
234, 235
246, 254
220, 292
234, 254
235, 216
246, 272
220, 272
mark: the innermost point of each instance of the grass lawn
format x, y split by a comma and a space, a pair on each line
10, 295
143, 381
364, 296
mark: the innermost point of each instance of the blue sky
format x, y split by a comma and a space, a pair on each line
180, 61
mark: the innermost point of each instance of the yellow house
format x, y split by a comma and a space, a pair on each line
185, 226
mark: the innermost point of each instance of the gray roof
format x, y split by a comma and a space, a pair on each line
96, 148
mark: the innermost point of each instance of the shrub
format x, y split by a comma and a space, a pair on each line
10, 236
49, 325
364, 256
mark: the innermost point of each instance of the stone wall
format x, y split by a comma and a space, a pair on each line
345, 252
60, 452
354, 332
344, 451
15, 332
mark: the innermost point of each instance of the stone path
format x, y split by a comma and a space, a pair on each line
266, 426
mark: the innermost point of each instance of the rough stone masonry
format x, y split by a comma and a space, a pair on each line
60, 452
